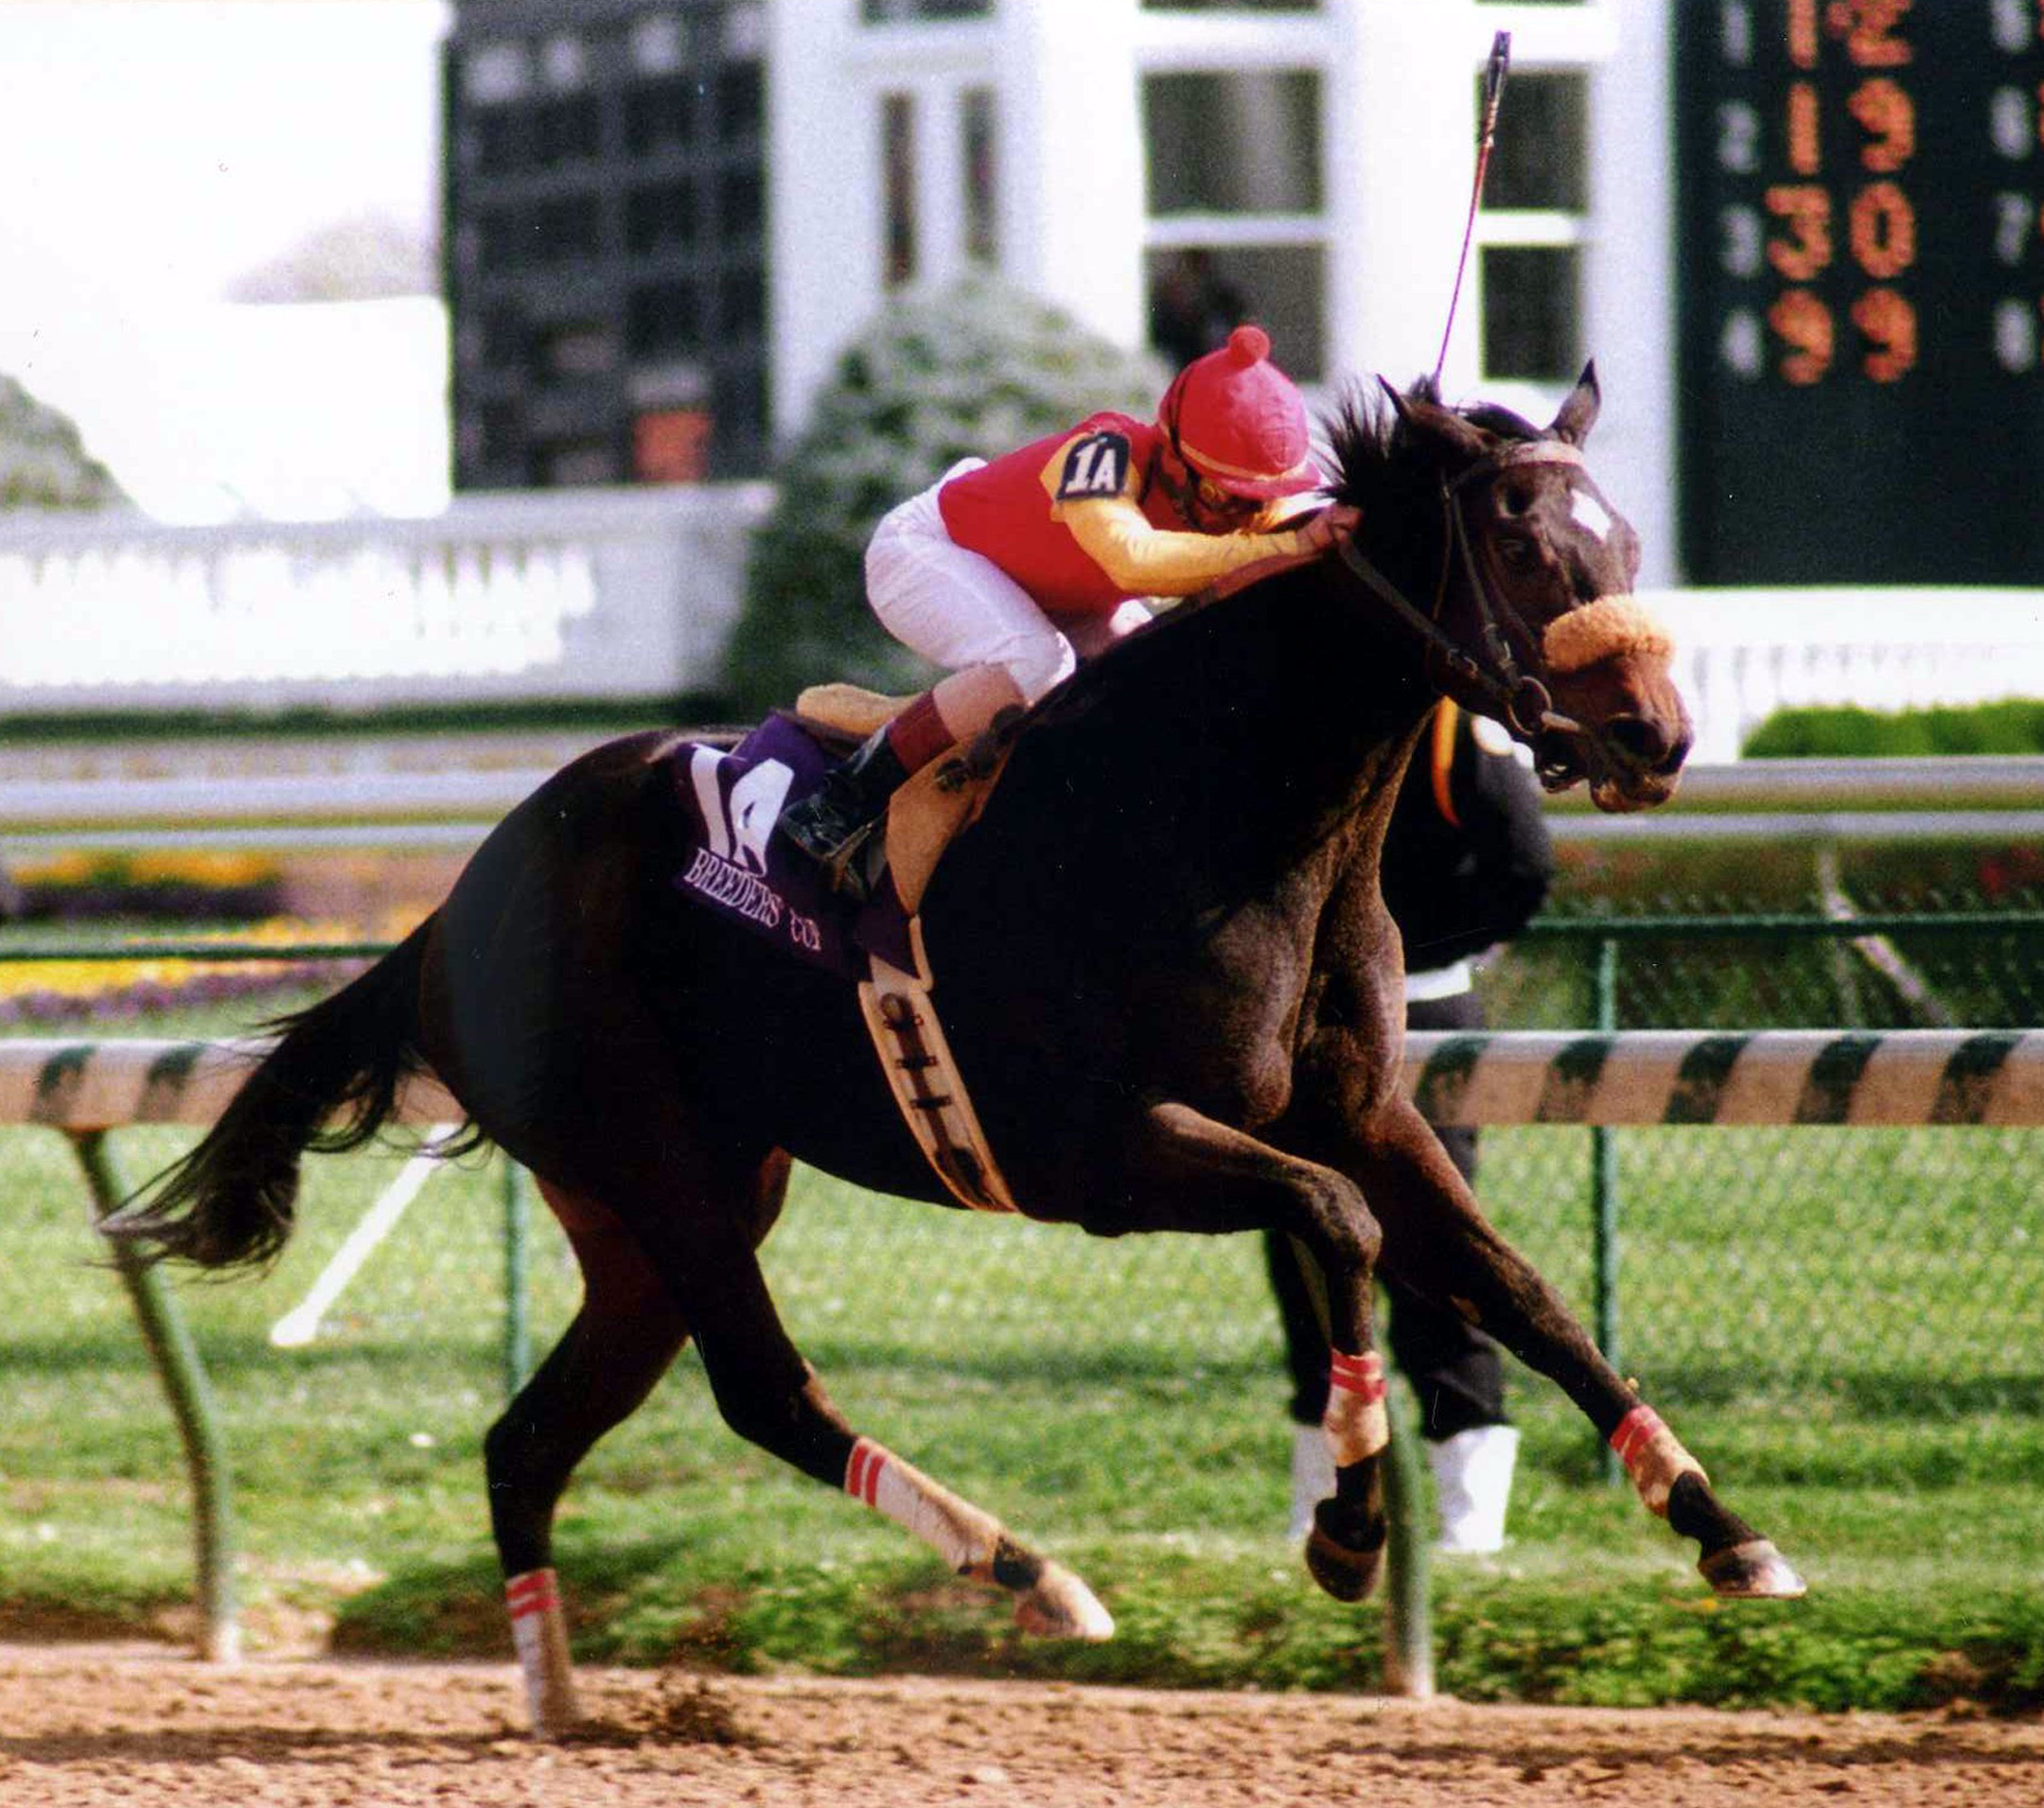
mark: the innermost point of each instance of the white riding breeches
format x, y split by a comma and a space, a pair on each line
957, 608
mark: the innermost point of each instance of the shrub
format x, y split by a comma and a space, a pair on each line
2013, 727
44, 464
975, 371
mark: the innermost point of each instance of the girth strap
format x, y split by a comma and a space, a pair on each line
927, 1083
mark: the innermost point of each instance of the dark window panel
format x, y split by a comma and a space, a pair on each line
1233, 144
1532, 329
660, 217
660, 117
740, 104
1541, 158
661, 319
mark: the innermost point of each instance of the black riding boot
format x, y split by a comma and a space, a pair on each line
832, 818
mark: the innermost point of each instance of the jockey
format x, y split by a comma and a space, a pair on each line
1010, 572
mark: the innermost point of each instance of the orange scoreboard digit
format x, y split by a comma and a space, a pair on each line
1860, 214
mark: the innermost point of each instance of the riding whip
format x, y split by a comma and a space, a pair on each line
1494, 73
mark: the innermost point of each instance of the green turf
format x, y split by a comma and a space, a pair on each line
1843, 1326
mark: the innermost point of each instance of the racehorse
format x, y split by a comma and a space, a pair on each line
1165, 967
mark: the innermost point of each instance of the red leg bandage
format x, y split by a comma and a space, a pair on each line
536, 1591
540, 1634
1356, 1424
862, 1471
960, 1532
1653, 1456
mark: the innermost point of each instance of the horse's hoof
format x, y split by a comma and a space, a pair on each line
558, 1718
1754, 1570
1346, 1567
1062, 1606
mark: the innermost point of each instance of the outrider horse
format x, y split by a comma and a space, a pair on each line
1165, 969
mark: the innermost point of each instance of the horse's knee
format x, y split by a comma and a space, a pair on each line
1339, 1225
791, 1419
761, 1414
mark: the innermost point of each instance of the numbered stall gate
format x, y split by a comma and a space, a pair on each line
1860, 269
84, 1089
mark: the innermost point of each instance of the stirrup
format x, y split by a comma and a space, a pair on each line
832, 820
855, 869
853, 856
824, 827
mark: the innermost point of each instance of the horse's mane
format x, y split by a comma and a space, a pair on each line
1373, 463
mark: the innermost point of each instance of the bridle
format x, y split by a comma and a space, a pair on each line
1490, 669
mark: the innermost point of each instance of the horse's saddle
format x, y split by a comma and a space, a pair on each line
733, 795
936, 803
735, 864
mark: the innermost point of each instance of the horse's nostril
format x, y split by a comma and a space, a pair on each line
1645, 743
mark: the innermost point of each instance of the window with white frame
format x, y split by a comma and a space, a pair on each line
899, 245
1531, 232
978, 152
1235, 211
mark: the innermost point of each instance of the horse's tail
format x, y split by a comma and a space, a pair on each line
230, 1201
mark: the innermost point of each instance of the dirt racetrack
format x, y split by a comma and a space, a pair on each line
83, 1727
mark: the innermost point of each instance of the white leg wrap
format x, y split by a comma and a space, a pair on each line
539, 1632
959, 1531
1653, 1456
1472, 1477
1055, 1604
1356, 1423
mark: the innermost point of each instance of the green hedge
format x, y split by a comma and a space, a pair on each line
2016, 727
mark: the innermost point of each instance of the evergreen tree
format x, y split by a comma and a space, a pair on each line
43, 462
975, 371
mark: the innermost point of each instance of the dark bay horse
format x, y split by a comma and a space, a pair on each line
1164, 966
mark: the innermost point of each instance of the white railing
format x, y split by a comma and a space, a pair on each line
584, 595
1743, 654
633, 594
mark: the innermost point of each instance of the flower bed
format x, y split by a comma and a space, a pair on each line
108, 985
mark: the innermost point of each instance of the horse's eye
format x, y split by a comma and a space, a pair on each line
1515, 499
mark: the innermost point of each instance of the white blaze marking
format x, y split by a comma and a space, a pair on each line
1591, 514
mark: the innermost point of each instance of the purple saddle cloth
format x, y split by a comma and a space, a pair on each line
735, 865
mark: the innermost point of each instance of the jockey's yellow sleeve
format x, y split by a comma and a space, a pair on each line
1145, 560
1078, 521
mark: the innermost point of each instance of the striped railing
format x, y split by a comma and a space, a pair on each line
1780, 1077
86, 1088
1784, 1077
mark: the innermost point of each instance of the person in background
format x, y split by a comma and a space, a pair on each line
1467, 864
1193, 307
1008, 574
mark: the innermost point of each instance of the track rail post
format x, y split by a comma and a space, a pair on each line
1604, 1198
1408, 1661
184, 1378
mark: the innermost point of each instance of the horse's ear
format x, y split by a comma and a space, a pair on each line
1426, 420
1579, 412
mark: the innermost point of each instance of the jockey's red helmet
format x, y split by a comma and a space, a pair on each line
1240, 422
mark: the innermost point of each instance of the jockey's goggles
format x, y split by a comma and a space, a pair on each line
1225, 504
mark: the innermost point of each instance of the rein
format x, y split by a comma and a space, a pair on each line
1522, 700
